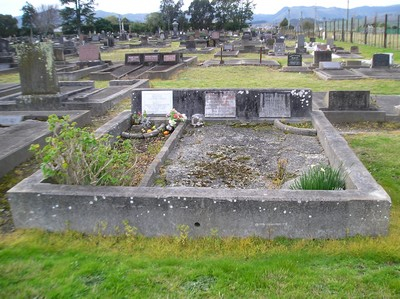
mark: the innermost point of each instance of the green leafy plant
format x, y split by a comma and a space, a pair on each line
321, 177
74, 156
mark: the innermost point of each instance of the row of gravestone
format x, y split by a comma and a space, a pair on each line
229, 103
153, 58
378, 60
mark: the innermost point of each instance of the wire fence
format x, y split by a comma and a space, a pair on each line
379, 31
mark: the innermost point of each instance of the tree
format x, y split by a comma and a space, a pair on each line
233, 14
154, 21
170, 11
284, 23
47, 19
81, 13
103, 24
308, 26
201, 14
29, 15
8, 25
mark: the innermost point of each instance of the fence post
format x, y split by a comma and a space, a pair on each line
351, 30
365, 31
343, 30
385, 33
334, 29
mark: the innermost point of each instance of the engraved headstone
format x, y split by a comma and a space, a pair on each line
273, 104
157, 102
354, 50
133, 59
330, 65
330, 43
380, 61
348, 100
322, 56
89, 52
279, 49
295, 60
220, 104
37, 69
300, 41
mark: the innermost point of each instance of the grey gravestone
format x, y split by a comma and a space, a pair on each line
228, 47
354, 50
220, 104
191, 45
301, 50
4, 47
330, 42
300, 41
322, 56
157, 102
348, 100
353, 63
330, 65
295, 60
246, 36
274, 105
380, 61
9, 120
59, 54
36, 69
280, 40
321, 48
89, 52
215, 35
95, 38
279, 49
144, 40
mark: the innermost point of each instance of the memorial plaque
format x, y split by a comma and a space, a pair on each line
159, 102
133, 59
295, 60
228, 47
8, 120
169, 58
151, 58
220, 104
274, 105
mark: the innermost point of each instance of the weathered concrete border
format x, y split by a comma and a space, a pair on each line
16, 140
361, 209
294, 130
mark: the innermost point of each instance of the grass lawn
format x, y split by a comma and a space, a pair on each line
38, 264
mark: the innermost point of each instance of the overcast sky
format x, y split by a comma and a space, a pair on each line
13, 7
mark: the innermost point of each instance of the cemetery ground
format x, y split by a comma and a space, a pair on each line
40, 264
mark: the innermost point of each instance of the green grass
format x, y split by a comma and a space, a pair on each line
37, 264
263, 77
64, 265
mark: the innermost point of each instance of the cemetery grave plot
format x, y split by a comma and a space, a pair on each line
240, 156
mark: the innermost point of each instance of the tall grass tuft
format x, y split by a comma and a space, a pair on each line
321, 177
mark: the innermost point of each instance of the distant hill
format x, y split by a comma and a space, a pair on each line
325, 13
296, 12
134, 17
